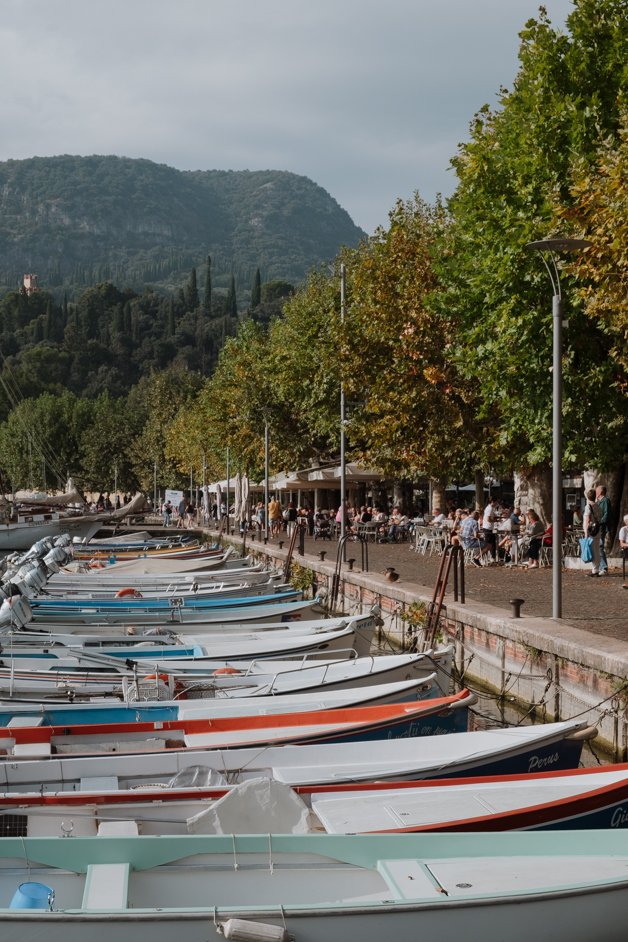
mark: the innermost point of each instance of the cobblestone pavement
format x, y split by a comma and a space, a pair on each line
597, 605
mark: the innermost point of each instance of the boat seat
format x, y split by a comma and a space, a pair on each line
408, 879
106, 886
32, 750
117, 829
17, 721
99, 783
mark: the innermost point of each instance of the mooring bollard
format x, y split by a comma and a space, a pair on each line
322, 554
516, 607
280, 544
350, 563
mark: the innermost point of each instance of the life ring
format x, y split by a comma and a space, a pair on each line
227, 670
128, 593
163, 677
96, 564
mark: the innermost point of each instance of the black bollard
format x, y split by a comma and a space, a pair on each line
516, 607
280, 544
322, 554
350, 563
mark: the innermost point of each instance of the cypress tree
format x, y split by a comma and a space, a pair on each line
48, 323
207, 298
191, 298
256, 290
232, 306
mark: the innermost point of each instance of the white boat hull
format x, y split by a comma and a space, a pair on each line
314, 888
22, 535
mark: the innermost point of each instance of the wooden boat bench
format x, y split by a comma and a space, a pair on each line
409, 878
107, 885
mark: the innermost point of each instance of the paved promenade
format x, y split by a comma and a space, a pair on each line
596, 605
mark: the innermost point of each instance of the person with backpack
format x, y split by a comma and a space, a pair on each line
605, 521
591, 524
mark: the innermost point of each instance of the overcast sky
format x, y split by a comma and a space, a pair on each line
368, 99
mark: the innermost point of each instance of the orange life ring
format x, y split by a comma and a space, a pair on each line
96, 564
163, 677
128, 593
227, 670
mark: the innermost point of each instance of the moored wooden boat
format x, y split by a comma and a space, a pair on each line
111, 710
219, 650
491, 752
348, 724
181, 617
570, 887
574, 799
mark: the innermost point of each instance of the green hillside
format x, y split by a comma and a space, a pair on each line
78, 221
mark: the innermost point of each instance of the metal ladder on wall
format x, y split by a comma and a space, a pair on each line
452, 554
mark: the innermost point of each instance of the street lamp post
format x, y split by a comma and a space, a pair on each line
548, 248
266, 478
343, 416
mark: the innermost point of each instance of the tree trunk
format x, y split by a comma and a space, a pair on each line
402, 495
478, 480
438, 495
533, 491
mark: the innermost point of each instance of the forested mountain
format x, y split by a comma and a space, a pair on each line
79, 221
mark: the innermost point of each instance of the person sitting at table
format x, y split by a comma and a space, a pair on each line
366, 515
398, 525
470, 537
359, 518
439, 517
534, 531
576, 519
380, 517
460, 515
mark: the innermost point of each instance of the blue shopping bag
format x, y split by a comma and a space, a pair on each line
586, 549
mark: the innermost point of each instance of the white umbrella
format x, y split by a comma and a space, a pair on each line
244, 508
205, 502
237, 498
219, 500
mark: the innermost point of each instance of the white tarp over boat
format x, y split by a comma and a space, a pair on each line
259, 806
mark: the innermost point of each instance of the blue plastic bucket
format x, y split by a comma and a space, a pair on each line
31, 896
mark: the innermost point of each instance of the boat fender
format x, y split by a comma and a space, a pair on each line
128, 593
227, 670
245, 930
583, 735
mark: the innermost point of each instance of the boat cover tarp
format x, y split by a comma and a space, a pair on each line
259, 806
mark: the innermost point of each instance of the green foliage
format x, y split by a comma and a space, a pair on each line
83, 220
301, 577
515, 177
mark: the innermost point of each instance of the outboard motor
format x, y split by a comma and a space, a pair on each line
55, 559
15, 612
39, 549
63, 539
30, 578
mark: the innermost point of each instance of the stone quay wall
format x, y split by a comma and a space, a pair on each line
550, 669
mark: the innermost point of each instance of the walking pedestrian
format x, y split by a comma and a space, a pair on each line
605, 519
591, 524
